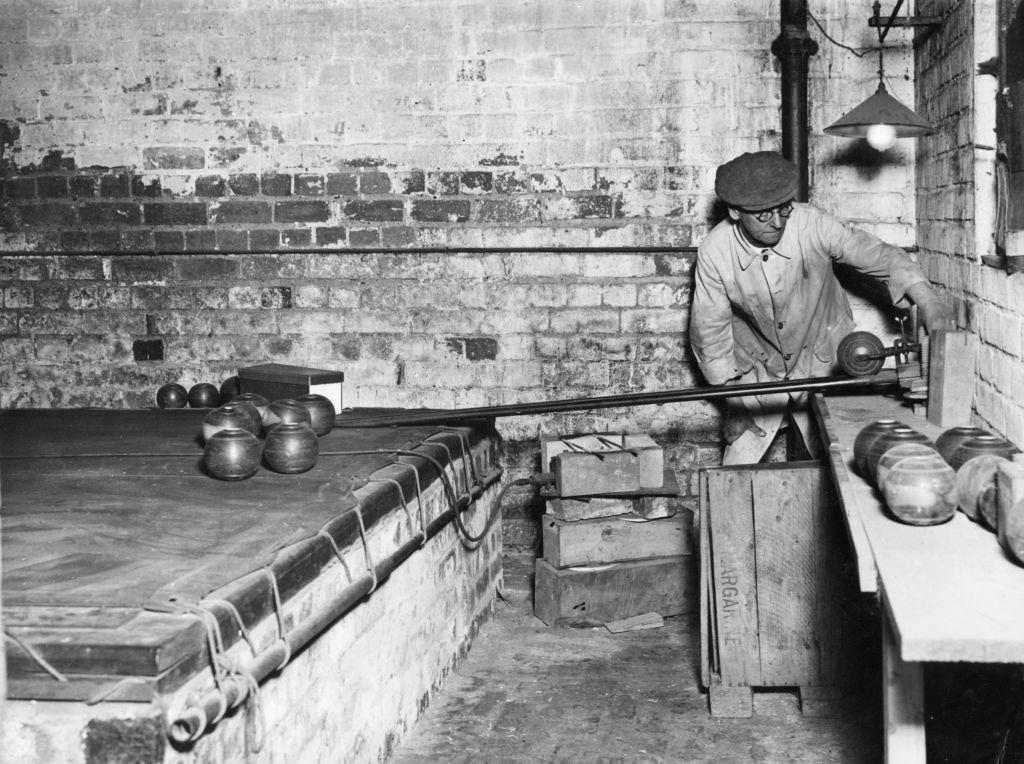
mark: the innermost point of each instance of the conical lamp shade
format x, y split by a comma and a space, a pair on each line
880, 109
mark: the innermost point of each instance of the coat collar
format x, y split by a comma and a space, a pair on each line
748, 252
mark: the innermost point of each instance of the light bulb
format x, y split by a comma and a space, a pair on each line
881, 137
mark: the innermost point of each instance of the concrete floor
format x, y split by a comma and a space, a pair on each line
530, 693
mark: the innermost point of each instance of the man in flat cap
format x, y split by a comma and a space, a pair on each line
767, 305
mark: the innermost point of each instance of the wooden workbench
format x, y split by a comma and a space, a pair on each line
949, 593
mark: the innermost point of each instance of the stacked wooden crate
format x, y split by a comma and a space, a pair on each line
616, 539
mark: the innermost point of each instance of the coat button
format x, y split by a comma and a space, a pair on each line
787, 356
781, 324
765, 257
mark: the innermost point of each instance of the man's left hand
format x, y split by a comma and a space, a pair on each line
935, 316
931, 311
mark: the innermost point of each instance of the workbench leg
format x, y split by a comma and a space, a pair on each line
903, 702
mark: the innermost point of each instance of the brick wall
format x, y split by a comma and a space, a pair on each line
953, 199
438, 196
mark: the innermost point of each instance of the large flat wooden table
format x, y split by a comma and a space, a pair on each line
949, 592
108, 517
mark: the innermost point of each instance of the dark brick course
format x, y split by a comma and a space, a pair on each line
330, 237
48, 214
201, 240
169, 241
301, 212
115, 185
19, 188
232, 240
141, 187
244, 184
276, 184
440, 211
307, 184
175, 213
211, 185
341, 183
374, 183
296, 237
361, 209
121, 241
241, 212
364, 237
53, 186
264, 239
110, 213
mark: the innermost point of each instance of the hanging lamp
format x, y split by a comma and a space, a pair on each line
881, 119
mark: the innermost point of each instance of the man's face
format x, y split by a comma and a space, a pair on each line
765, 227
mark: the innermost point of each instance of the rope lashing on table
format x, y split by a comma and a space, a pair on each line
401, 497
282, 634
233, 682
192, 721
463, 434
371, 567
420, 509
324, 533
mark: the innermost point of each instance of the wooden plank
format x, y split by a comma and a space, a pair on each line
636, 623
951, 365
706, 616
588, 509
614, 539
902, 702
594, 596
669, 487
829, 563
731, 521
941, 613
145, 646
840, 461
784, 505
68, 617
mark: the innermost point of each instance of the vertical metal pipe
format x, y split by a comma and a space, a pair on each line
794, 46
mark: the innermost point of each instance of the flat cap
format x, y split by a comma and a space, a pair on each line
757, 180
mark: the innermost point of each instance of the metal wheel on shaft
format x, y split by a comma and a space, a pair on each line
860, 354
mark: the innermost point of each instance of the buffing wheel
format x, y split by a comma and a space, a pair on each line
855, 354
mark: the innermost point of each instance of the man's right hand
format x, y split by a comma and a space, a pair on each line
738, 422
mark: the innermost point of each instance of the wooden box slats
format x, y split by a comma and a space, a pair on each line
769, 540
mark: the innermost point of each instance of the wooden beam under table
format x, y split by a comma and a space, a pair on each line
902, 702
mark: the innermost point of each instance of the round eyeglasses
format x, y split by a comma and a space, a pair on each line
784, 210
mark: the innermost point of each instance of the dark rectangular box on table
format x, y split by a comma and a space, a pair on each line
278, 380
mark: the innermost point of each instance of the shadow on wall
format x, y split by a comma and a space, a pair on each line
866, 161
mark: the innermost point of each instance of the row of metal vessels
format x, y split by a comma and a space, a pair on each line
925, 482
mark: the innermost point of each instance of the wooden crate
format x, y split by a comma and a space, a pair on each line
769, 540
586, 465
614, 539
599, 594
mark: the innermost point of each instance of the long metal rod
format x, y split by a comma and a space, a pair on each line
433, 416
